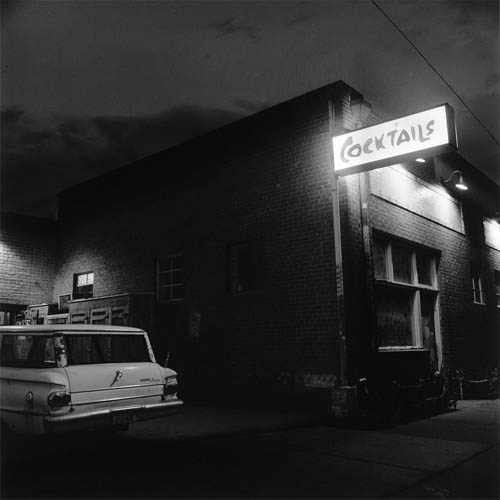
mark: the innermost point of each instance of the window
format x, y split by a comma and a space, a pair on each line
497, 287
83, 285
477, 285
170, 278
246, 266
95, 349
28, 351
406, 292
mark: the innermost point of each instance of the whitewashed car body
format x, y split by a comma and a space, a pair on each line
59, 378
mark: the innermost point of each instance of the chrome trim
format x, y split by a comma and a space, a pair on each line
118, 376
108, 400
32, 381
110, 411
23, 412
119, 387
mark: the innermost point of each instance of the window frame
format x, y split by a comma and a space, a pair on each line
170, 271
83, 295
414, 288
234, 266
477, 286
496, 281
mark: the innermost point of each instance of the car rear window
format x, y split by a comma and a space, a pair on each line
88, 349
28, 351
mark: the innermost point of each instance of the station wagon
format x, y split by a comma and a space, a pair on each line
57, 378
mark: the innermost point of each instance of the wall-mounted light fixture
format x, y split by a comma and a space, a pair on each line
460, 184
420, 160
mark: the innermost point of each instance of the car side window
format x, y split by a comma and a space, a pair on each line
28, 351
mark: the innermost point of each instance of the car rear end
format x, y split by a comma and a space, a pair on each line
113, 381
80, 377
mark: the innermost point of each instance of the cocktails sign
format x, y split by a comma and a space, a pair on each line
427, 133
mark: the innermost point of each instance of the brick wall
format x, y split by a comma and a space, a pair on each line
267, 177
469, 331
27, 259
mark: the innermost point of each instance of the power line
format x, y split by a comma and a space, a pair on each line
436, 71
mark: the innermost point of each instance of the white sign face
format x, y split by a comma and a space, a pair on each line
431, 131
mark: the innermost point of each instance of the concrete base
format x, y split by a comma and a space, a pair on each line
345, 402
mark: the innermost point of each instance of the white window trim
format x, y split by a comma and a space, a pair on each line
481, 301
416, 288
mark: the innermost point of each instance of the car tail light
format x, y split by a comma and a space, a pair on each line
59, 398
170, 387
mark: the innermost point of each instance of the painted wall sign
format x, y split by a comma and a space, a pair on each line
427, 133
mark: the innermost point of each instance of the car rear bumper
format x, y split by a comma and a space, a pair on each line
109, 417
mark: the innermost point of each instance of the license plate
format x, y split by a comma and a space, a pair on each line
124, 418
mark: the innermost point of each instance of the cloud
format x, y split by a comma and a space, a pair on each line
11, 115
140, 136
300, 14
234, 26
41, 158
7, 7
484, 11
492, 80
251, 106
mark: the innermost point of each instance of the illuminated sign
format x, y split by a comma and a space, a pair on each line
428, 133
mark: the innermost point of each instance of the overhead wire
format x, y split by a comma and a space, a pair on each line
435, 70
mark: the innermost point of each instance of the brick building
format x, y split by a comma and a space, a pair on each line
226, 246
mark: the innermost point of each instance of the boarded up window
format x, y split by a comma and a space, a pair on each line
394, 318
406, 295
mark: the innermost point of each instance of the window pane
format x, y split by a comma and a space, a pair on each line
177, 262
101, 348
401, 261
164, 279
164, 293
177, 291
83, 285
477, 289
28, 351
394, 317
497, 286
163, 265
427, 303
81, 280
424, 266
177, 277
170, 275
379, 262
246, 266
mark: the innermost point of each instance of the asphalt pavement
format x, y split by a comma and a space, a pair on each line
451, 455
208, 452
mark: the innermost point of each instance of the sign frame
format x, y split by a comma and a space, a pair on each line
450, 145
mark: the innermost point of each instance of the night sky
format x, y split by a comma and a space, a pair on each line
88, 86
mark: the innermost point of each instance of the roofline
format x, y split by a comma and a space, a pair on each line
30, 329
185, 143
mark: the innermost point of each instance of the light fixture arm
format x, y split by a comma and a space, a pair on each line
451, 176
460, 184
